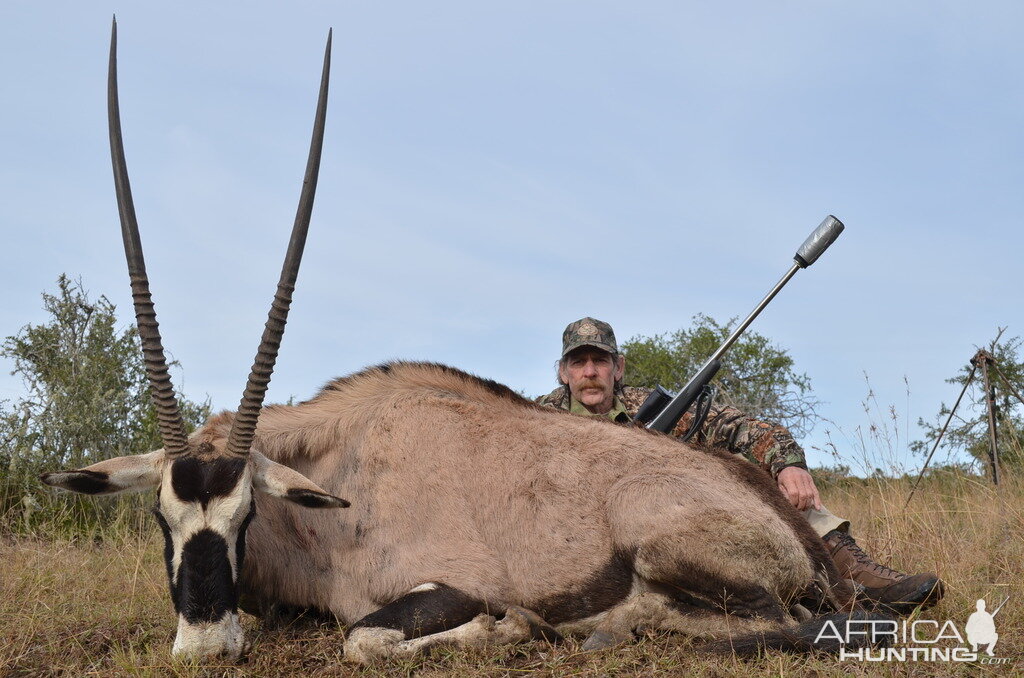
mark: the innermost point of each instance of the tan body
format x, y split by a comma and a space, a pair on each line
454, 481
465, 501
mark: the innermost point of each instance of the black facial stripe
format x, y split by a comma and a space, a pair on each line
206, 590
86, 482
195, 480
240, 542
168, 553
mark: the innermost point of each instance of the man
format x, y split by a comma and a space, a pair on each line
590, 372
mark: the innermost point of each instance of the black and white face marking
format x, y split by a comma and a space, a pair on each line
206, 507
195, 480
203, 508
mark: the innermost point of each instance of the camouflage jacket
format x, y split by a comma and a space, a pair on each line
770, 446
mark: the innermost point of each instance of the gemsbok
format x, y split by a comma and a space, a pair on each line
469, 503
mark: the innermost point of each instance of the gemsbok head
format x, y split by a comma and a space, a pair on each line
205, 483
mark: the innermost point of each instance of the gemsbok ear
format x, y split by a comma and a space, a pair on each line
280, 481
137, 473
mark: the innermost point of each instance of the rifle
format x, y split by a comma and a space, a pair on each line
662, 411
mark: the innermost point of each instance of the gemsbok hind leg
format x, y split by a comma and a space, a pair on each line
655, 610
435, 614
713, 559
728, 633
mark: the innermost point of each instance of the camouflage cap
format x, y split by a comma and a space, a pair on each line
588, 332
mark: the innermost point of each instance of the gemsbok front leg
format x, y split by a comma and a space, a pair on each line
435, 614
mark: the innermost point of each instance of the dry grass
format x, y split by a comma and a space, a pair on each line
82, 609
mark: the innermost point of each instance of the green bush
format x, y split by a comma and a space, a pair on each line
87, 399
757, 376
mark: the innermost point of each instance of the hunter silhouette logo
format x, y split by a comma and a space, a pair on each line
920, 640
981, 628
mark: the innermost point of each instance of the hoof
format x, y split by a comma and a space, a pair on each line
800, 613
366, 645
601, 640
537, 628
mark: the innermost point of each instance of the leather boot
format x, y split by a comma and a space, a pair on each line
883, 586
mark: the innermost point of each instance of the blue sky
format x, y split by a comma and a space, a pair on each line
493, 171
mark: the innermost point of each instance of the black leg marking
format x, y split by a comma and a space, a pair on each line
422, 613
703, 590
600, 591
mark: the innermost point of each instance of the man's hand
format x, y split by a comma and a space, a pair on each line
798, 486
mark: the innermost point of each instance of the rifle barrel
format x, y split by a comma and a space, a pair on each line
812, 248
753, 314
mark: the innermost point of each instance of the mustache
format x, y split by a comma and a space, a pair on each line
590, 383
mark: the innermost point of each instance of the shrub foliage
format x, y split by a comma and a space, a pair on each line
87, 399
757, 376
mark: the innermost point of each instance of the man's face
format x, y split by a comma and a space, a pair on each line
590, 374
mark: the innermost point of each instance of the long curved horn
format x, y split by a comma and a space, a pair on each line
172, 428
244, 426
